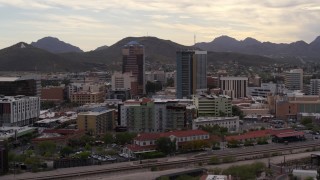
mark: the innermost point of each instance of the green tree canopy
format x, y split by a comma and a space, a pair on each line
165, 145
236, 111
124, 137
66, 151
305, 121
108, 138
46, 147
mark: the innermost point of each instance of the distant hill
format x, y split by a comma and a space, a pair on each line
253, 46
155, 50
54, 45
101, 48
24, 57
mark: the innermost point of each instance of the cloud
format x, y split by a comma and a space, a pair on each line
267, 20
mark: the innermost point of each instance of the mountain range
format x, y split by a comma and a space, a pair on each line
39, 56
54, 45
253, 46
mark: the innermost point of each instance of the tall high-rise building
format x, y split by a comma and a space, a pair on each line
191, 73
294, 79
235, 87
133, 61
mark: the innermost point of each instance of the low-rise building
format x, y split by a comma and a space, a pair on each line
84, 97
58, 136
232, 123
146, 142
98, 121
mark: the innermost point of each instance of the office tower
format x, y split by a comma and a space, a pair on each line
133, 61
294, 79
25, 85
191, 73
235, 87
314, 87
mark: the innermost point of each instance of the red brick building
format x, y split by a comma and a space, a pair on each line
52, 93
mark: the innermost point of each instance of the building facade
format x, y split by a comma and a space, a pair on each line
294, 79
54, 93
25, 85
235, 87
158, 115
314, 87
19, 110
266, 89
146, 142
83, 97
211, 105
191, 73
124, 81
133, 60
98, 121
138, 115
232, 123
4, 161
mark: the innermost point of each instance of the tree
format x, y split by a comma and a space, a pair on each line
124, 137
87, 147
152, 87
306, 120
170, 82
66, 151
46, 147
318, 174
83, 155
233, 143
245, 172
214, 160
108, 138
236, 111
165, 145
195, 145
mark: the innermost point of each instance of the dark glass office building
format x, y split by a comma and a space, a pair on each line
133, 61
13, 86
191, 73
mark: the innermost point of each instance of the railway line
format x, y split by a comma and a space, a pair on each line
177, 163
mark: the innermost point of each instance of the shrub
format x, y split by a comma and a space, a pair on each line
214, 160
228, 159
154, 168
152, 155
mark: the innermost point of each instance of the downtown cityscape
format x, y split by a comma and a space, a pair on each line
148, 107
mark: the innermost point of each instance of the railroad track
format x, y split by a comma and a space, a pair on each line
171, 163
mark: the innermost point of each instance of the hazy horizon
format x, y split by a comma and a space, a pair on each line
90, 24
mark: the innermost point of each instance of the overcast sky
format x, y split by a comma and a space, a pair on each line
92, 23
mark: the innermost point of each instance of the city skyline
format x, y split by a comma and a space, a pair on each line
90, 24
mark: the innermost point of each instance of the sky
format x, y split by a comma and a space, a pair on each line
89, 24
